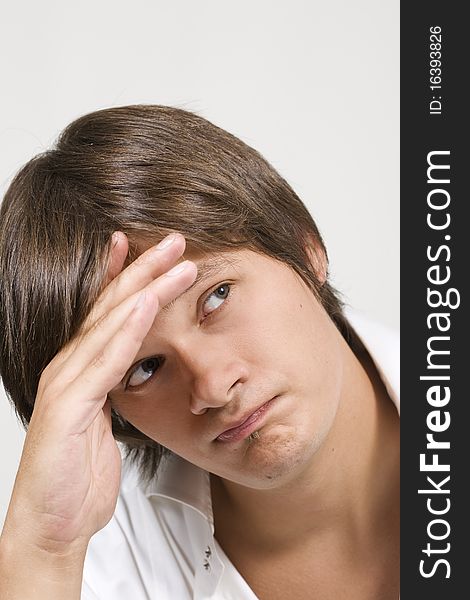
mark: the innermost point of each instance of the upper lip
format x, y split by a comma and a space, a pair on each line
236, 423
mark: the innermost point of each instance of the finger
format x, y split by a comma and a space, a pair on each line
149, 265
119, 251
90, 347
107, 412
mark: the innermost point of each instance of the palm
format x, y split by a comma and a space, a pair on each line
82, 479
103, 471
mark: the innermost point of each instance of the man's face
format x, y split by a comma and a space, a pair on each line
248, 333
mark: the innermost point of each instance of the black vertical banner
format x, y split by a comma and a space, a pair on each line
435, 267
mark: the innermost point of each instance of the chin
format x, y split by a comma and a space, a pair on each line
275, 458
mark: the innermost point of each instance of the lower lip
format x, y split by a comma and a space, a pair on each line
250, 425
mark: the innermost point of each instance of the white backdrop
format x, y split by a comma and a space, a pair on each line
313, 85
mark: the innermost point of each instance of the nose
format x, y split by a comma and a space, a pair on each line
216, 379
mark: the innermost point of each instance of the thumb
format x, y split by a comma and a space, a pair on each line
107, 411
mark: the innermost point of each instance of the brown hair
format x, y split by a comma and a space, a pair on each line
145, 170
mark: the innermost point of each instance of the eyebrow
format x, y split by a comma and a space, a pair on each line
205, 270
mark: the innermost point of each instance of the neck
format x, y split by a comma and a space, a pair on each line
348, 490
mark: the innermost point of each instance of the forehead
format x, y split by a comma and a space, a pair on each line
213, 263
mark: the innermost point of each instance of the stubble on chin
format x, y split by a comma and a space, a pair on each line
274, 458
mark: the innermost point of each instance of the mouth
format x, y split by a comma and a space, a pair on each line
245, 426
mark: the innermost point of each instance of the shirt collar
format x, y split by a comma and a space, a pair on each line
178, 479
181, 481
383, 345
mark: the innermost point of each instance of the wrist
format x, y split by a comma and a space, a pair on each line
29, 571
47, 554
22, 530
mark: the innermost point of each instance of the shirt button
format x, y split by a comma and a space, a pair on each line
208, 552
207, 566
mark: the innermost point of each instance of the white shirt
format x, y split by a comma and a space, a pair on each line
160, 543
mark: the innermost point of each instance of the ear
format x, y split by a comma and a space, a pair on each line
318, 259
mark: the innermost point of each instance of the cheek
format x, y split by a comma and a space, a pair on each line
297, 340
291, 329
318, 355
157, 419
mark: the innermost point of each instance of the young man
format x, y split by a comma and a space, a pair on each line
261, 432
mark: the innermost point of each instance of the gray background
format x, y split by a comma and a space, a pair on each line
313, 85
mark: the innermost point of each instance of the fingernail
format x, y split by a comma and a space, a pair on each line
179, 268
166, 241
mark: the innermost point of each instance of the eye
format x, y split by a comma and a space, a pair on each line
216, 298
144, 371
